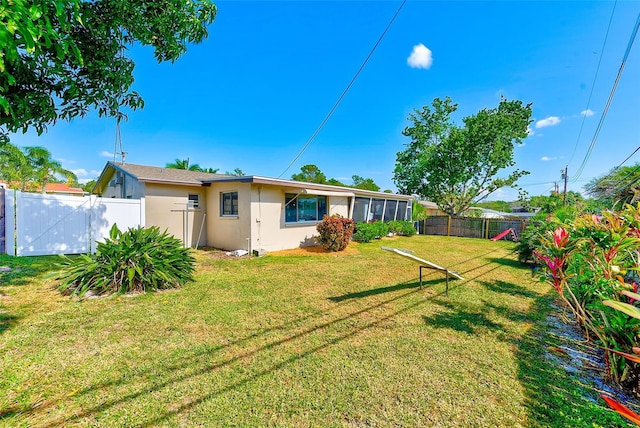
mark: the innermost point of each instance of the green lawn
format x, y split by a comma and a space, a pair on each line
322, 340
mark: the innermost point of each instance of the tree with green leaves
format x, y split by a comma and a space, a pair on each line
236, 171
618, 187
184, 164
59, 59
335, 182
30, 168
364, 183
457, 166
88, 186
310, 174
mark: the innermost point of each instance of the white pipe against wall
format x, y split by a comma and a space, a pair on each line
204, 216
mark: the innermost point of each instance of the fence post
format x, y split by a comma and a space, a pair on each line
448, 225
486, 231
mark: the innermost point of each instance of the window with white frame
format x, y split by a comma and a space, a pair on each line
229, 204
194, 200
301, 208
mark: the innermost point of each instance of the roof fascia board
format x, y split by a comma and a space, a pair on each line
311, 186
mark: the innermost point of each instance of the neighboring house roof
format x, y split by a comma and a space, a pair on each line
51, 188
153, 174
429, 204
62, 188
488, 213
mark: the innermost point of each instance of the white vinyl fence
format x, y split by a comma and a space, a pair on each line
39, 224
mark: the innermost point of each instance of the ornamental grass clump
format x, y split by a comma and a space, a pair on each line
134, 261
335, 232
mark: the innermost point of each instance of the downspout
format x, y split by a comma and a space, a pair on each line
352, 207
258, 220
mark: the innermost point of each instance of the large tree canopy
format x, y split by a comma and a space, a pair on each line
618, 187
311, 174
456, 166
364, 183
61, 58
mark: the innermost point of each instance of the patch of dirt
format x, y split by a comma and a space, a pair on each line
317, 251
218, 254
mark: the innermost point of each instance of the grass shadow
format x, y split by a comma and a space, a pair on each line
510, 288
24, 269
6, 320
463, 321
509, 262
382, 290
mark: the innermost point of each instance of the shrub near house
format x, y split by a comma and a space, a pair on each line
335, 232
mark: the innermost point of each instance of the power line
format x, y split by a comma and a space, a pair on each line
335, 106
595, 78
608, 104
620, 183
628, 157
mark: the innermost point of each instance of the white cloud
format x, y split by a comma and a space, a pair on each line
530, 131
550, 121
587, 112
106, 154
420, 57
81, 172
547, 158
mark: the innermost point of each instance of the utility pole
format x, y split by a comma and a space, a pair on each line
565, 177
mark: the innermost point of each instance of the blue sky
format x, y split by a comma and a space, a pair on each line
255, 91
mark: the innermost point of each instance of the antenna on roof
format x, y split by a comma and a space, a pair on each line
118, 141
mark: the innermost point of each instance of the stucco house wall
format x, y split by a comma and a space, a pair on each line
261, 221
270, 230
228, 232
166, 206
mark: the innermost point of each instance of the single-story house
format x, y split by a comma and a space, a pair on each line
432, 208
62, 189
242, 212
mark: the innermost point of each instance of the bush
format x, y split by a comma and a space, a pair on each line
405, 228
381, 228
395, 226
335, 232
137, 260
592, 262
529, 240
365, 232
